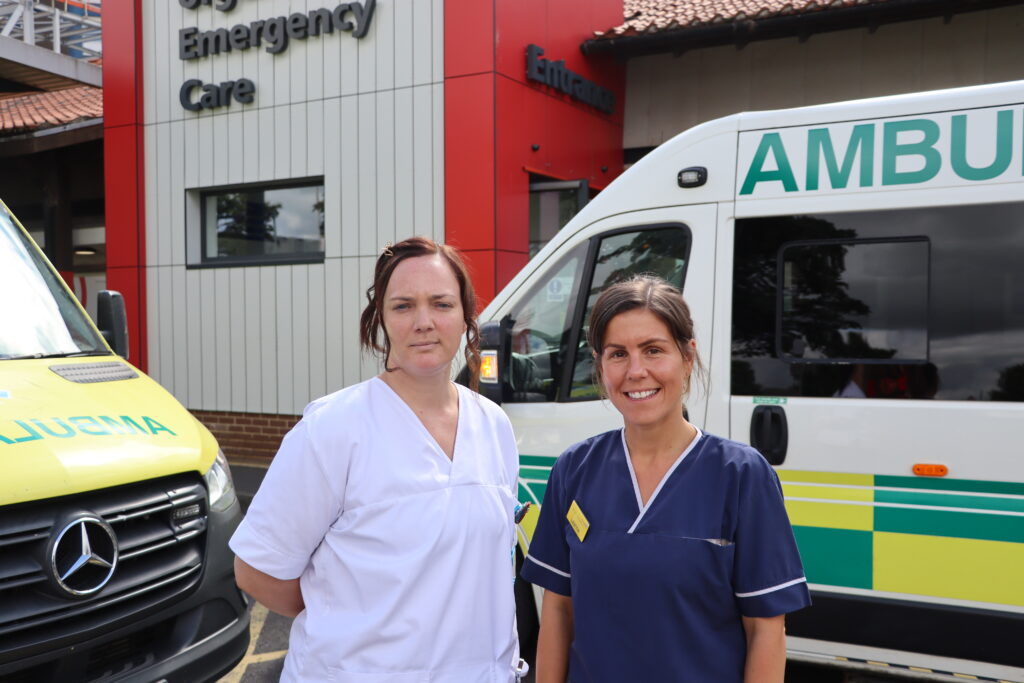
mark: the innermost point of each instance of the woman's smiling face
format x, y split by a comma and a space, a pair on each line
643, 371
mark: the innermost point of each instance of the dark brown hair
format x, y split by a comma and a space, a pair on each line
371, 321
650, 293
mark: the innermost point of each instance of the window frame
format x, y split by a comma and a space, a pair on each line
569, 369
200, 195
780, 296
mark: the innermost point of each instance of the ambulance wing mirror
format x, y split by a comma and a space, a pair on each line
495, 358
112, 320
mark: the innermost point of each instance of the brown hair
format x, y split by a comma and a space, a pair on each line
650, 293
371, 321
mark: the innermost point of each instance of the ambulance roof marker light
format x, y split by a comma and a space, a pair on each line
694, 176
922, 469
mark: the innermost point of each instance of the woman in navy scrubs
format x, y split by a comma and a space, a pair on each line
665, 553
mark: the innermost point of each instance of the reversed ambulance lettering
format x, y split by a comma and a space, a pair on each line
34, 429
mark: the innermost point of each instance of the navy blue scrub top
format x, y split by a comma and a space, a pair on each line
658, 591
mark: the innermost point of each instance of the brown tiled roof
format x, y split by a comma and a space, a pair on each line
35, 111
655, 16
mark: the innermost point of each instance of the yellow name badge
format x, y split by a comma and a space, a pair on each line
577, 521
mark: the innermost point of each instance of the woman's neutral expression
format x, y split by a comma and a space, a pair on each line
422, 315
643, 371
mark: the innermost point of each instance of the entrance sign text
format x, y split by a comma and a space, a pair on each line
571, 83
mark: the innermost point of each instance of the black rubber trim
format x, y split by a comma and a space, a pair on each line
941, 630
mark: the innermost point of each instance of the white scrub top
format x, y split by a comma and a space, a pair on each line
404, 557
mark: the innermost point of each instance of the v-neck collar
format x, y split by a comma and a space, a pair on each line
425, 433
636, 486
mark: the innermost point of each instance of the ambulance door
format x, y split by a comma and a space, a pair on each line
554, 401
874, 353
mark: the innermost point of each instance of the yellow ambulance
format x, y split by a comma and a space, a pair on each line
115, 503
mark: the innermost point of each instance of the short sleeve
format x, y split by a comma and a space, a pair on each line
292, 511
547, 564
768, 577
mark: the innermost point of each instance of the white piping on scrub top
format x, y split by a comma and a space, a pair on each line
548, 567
802, 579
636, 487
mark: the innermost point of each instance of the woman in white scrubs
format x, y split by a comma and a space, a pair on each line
385, 523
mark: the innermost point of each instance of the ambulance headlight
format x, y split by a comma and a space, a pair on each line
219, 484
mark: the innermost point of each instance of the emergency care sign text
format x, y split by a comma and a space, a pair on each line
273, 34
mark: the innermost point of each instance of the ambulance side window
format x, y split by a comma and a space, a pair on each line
663, 250
541, 326
923, 303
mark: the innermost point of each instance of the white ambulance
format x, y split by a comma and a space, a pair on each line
856, 273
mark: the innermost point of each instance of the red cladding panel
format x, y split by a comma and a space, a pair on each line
122, 71
123, 165
520, 23
481, 268
121, 174
520, 123
493, 120
129, 281
468, 37
509, 265
469, 161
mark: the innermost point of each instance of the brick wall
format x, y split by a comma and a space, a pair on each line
247, 437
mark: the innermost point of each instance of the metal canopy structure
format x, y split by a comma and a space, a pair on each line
51, 44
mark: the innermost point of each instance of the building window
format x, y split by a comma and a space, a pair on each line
267, 223
553, 203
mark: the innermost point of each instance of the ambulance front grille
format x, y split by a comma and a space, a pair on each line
160, 526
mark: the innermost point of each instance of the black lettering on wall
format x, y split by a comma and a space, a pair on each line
555, 75
355, 17
320, 21
273, 34
185, 94
298, 25
244, 90
275, 31
222, 5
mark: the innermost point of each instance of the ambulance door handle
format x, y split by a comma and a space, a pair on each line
769, 433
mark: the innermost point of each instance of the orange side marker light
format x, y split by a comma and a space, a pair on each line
923, 469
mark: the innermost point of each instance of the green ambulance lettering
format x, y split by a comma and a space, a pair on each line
67, 430
129, 426
819, 144
32, 434
1004, 151
770, 142
892, 150
89, 425
155, 426
861, 144
102, 425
